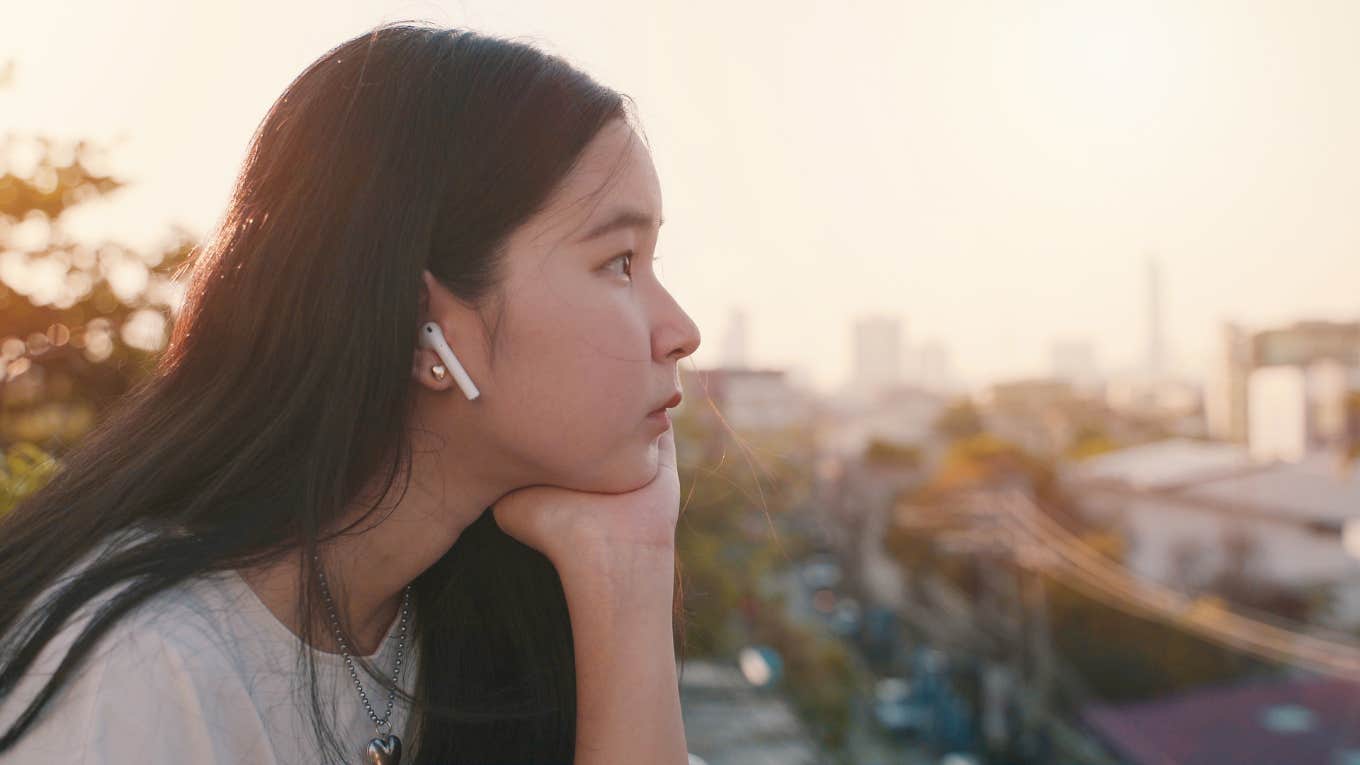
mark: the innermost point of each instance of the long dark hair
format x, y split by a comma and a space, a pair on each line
286, 383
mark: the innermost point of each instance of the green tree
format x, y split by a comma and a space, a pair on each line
984, 459
1090, 441
880, 453
960, 420
25, 469
819, 674
1129, 657
80, 322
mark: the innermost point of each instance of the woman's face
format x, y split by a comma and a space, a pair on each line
589, 341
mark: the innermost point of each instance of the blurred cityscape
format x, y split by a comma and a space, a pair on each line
1086, 567
1078, 568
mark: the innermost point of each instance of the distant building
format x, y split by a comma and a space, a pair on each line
1074, 362
1033, 393
1183, 505
760, 405
1041, 415
1049, 416
905, 414
1176, 404
1225, 399
736, 341
934, 370
902, 414
1303, 346
749, 399
1308, 341
877, 345
1296, 410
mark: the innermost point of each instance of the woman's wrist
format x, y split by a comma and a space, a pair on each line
620, 604
593, 554
629, 574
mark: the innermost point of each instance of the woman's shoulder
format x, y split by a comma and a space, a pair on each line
190, 615
162, 683
144, 693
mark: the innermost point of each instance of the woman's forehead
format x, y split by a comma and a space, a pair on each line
614, 178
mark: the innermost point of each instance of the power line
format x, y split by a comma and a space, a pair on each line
1045, 545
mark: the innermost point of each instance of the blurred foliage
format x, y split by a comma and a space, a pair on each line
819, 674
1126, 657
959, 420
729, 532
1119, 656
982, 460
731, 537
913, 543
80, 322
26, 469
1090, 441
880, 453
1134, 657
725, 546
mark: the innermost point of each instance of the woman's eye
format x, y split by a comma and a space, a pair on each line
627, 258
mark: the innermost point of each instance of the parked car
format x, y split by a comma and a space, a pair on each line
845, 617
896, 711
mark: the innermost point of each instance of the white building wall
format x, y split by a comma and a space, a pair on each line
1277, 413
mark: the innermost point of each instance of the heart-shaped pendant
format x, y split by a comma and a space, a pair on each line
385, 751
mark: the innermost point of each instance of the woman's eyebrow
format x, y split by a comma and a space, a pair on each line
622, 219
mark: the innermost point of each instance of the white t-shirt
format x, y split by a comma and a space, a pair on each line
201, 673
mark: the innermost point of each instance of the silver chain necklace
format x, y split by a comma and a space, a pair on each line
385, 749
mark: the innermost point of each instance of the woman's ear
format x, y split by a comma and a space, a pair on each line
425, 359
426, 279
443, 313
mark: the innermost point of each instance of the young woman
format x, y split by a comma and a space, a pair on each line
312, 535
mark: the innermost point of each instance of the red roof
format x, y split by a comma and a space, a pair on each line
1270, 722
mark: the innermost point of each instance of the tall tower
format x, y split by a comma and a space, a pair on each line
735, 345
1156, 347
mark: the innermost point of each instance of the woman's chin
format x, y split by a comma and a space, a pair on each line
629, 472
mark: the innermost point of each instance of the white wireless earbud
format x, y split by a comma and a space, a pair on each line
431, 336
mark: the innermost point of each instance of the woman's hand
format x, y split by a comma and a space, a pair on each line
565, 524
615, 556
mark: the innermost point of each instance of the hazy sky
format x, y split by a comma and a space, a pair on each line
994, 173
